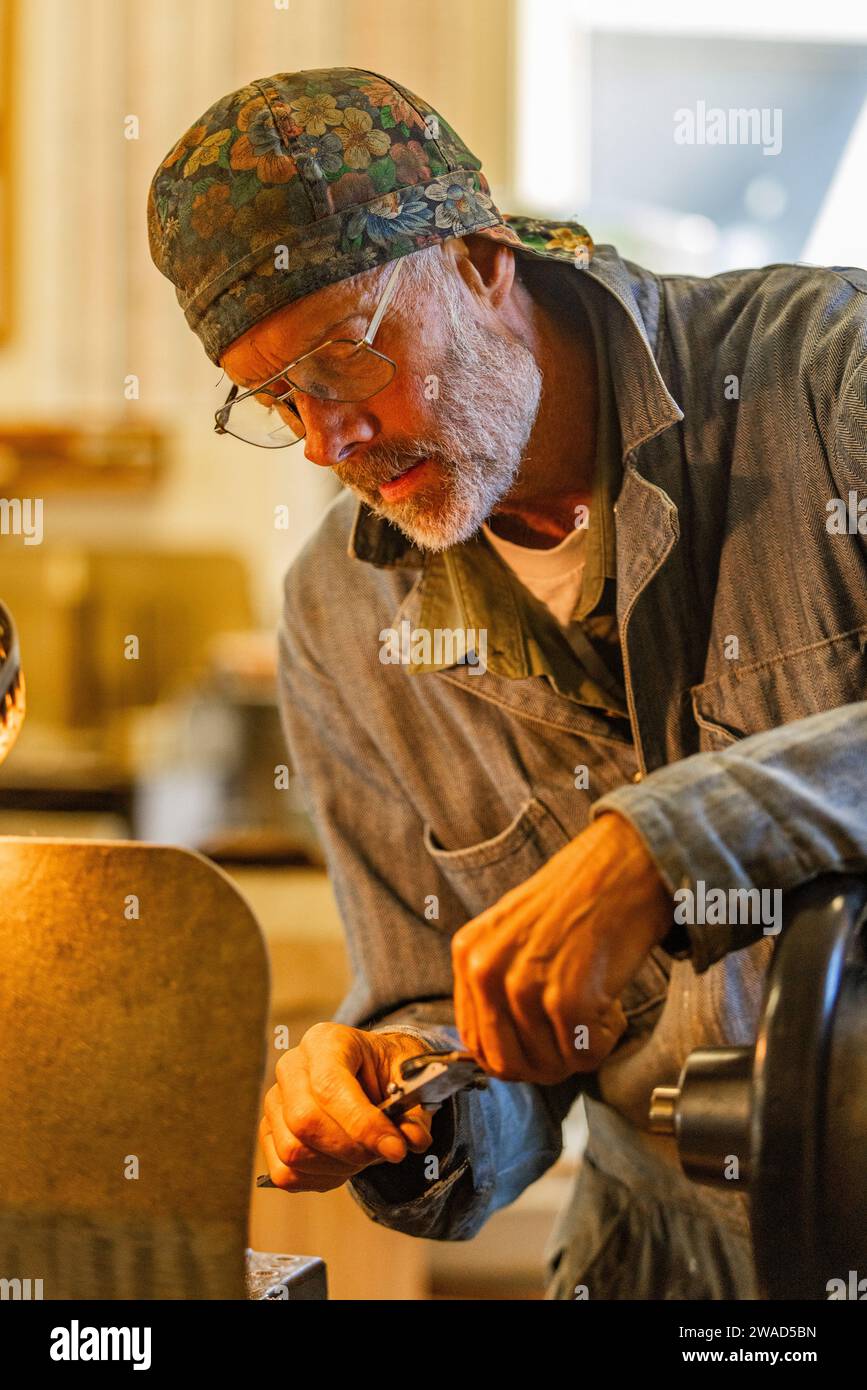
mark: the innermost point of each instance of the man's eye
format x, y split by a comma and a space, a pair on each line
273, 397
289, 411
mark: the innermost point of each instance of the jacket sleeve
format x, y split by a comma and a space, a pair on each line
489, 1145
778, 808
772, 812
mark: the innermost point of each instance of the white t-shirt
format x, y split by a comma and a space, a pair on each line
552, 576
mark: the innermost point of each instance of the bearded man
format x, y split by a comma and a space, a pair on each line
616, 486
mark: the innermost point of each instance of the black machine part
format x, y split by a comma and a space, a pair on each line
792, 1110
11, 683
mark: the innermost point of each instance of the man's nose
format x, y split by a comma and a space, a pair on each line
334, 429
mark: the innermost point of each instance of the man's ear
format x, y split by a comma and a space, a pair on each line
487, 266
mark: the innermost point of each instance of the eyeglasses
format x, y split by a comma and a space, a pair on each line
340, 369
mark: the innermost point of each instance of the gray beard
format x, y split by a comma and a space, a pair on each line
489, 392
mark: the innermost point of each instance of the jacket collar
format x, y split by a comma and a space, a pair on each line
632, 310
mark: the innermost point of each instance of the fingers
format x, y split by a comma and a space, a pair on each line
517, 1040
500, 1017
415, 1126
320, 1125
547, 1059
310, 1154
324, 1103
499, 1048
465, 1010
521, 1019
290, 1179
342, 1102
612, 1026
301, 1123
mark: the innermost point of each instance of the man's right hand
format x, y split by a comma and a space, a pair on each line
321, 1124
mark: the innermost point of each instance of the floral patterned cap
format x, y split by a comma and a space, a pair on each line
303, 179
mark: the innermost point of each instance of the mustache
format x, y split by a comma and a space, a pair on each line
382, 464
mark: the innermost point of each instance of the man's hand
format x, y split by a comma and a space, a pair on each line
321, 1125
551, 958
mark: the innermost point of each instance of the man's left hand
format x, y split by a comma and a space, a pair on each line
538, 976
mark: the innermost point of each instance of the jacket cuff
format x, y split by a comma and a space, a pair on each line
676, 942
504, 1137
701, 822
402, 1195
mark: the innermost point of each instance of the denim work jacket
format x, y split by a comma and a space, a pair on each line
742, 613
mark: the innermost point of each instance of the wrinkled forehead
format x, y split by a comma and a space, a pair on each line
290, 331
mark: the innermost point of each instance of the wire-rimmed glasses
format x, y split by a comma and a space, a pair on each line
340, 369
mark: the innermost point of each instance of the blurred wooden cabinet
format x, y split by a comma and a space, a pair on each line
117, 456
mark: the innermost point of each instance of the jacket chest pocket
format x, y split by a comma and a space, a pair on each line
481, 873
794, 685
